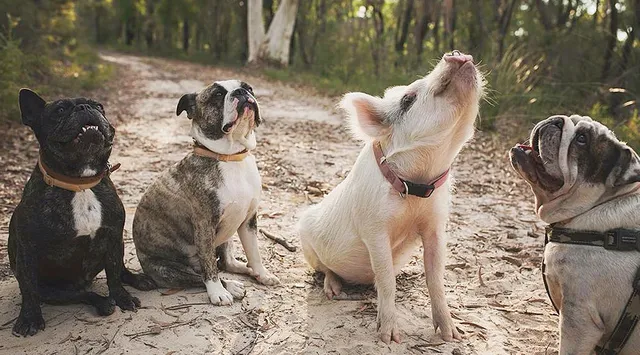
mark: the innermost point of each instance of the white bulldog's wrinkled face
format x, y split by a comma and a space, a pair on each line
574, 160
425, 112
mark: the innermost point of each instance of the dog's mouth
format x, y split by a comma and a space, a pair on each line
527, 161
245, 109
90, 135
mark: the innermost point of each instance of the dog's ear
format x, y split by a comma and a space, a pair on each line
627, 171
187, 103
366, 115
31, 106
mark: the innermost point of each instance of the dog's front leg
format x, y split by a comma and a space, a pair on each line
385, 281
110, 240
434, 243
248, 233
30, 320
205, 237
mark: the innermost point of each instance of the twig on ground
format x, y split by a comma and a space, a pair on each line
186, 305
8, 322
279, 240
110, 341
480, 276
158, 329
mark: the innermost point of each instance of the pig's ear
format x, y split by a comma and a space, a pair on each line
366, 115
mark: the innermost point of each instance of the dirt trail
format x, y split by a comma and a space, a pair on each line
492, 276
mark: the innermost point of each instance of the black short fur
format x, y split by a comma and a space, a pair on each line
51, 263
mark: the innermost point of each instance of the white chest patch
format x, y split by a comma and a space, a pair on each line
87, 213
239, 195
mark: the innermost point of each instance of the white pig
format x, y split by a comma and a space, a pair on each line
365, 230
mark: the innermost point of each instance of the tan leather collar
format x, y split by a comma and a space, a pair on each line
203, 151
75, 184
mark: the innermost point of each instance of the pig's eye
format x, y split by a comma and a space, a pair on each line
407, 101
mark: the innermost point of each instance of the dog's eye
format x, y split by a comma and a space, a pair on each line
219, 94
100, 107
581, 139
250, 89
60, 110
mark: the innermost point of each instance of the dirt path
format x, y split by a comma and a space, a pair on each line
492, 277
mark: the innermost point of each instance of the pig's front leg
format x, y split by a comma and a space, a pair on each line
382, 264
435, 242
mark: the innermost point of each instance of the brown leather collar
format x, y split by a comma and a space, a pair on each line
75, 184
203, 151
405, 187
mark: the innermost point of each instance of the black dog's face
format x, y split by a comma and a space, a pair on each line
73, 133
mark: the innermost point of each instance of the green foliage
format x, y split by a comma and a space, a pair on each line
45, 55
539, 57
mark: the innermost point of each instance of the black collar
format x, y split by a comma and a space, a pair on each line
615, 239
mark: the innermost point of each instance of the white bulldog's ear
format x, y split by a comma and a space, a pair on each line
628, 169
366, 115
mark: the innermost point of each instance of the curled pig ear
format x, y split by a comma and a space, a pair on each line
366, 115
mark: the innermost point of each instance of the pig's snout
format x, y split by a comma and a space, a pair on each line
457, 57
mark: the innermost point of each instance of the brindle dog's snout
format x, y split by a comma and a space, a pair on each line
244, 100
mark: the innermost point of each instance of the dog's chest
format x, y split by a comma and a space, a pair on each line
239, 192
87, 213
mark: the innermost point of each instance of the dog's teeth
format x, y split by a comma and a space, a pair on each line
84, 129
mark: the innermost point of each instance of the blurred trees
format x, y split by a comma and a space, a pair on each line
542, 56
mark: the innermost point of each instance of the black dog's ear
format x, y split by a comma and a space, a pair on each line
628, 169
187, 103
31, 106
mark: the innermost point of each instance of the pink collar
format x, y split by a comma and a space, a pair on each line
405, 187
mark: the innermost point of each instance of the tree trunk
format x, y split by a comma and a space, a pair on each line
255, 29
129, 31
274, 46
421, 28
185, 34
613, 38
403, 24
150, 24
449, 12
505, 20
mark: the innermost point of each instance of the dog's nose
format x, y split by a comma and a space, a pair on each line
82, 107
457, 57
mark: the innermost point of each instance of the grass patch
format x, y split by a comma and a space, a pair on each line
58, 72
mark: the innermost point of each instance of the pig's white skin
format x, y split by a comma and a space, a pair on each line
364, 232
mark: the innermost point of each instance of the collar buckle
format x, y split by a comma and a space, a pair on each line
611, 241
406, 189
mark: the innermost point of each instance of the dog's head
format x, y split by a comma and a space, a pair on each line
75, 136
429, 111
573, 164
223, 110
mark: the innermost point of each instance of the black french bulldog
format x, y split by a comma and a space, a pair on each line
60, 239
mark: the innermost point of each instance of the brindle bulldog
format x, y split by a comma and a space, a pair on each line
587, 187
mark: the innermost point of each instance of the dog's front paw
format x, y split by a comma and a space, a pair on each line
267, 278
105, 306
218, 295
125, 301
235, 288
28, 324
448, 330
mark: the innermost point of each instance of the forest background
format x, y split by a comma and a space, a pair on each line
541, 57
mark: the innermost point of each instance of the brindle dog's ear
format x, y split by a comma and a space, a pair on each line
31, 106
628, 168
187, 103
